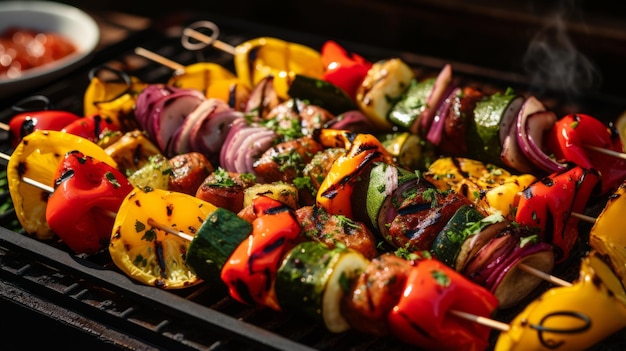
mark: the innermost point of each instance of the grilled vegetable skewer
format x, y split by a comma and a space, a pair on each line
151, 222
49, 189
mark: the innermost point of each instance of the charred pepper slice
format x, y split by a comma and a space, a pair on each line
570, 139
87, 191
250, 272
548, 204
488, 186
112, 94
573, 317
214, 81
146, 252
608, 236
25, 123
422, 315
93, 127
37, 157
363, 151
258, 58
342, 68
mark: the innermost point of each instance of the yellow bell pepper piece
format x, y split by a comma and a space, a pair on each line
608, 235
570, 318
37, 157
257, 58
336, 138
214, 81
146, 252
113, 99
132, 151
491, 187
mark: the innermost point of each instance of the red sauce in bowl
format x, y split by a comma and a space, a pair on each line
22, 49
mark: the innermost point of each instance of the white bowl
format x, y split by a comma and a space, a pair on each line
46, 16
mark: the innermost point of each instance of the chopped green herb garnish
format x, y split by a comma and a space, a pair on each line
441, 278
110, 177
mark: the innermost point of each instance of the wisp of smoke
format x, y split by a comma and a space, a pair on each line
552, 61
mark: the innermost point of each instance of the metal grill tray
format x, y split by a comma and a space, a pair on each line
90, 295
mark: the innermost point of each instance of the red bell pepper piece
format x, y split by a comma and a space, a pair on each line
548, 203
567, 140
342, 68
423, 315
250, 271
25, 123
92, 127
87, 195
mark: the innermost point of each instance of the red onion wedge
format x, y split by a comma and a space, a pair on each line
493, 225
148, 98
226, 160
259, 140
170, 113
496, 265
209, 134
489, 257
434, 99
511, 284
353, 120
240, 148
181, 142
512, 154
532, 124
435, 131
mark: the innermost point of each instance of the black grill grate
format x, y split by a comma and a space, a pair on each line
90, 294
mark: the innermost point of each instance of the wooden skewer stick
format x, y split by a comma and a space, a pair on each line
159, 59
492, 323
170, 230
543, 275
606, 151
583, 217
190, 32
37, 184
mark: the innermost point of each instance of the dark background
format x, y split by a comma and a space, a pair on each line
576, 46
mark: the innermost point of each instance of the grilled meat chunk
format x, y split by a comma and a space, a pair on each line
188, 171
295, 117
374, 294
421, 217
318, 225
285, 161
225, 189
